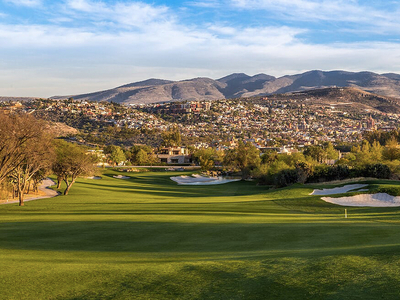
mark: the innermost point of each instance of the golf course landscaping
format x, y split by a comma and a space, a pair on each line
146, 237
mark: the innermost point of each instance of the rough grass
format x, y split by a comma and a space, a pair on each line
148, 238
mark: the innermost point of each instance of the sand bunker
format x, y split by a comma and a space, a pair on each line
94, 177
339, 190
369, 200
196, 179
121, 177
365, 200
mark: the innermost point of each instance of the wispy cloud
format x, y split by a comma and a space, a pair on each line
86, 45
133, 14
223, 30
205, 3
29, 3
44, 36
351, 11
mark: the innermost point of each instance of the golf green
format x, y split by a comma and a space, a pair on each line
148, 238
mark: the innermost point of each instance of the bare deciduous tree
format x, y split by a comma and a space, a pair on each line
38, 156
15, 132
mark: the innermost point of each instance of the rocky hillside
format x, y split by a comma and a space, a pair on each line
242, 85
347, 99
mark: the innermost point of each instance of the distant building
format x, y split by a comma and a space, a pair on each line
102, 159
190, 107
371, 123
174, 155
287, 151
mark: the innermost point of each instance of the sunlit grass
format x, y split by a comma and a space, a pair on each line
148, 238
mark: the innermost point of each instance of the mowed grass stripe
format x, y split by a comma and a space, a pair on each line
148, 238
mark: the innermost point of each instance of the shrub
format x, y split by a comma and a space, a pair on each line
376, 170
329, 173
286, 177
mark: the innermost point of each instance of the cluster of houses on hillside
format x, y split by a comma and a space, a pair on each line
219, 124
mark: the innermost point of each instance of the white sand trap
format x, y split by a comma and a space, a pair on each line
121, 177
338, 190
196, 175
94, 177
369, 200
196, 179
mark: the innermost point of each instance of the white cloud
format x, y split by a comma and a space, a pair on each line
43, 37
267, 36
112, 61
125, 42
327, 10
134, 14
224, 30
205, 3
29, 3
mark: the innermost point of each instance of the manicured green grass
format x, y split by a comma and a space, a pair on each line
148, 238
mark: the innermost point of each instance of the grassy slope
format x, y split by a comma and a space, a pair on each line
147, 238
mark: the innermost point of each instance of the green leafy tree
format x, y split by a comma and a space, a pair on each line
245, 157
115, 154
331, 152
286, 177
392, 150
205, 157
71, 162
364, 154
376, 170
376, 151
315, 152
269, 157
293, 159
304, 170
171, 137
142, 155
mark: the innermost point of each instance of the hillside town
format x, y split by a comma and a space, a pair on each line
262, 121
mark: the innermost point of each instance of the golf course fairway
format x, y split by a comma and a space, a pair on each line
148, 238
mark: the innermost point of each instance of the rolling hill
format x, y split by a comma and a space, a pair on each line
242, 85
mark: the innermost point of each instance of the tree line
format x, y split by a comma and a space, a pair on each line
29, 153
316, 163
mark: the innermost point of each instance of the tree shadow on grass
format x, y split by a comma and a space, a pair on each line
150, 186
204, 239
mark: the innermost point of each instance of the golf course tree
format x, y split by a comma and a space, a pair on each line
171, 137
71, 162
37, 159
392, 150
15, 132
141, 155
115, 154
322, 154
206, 158
245, 158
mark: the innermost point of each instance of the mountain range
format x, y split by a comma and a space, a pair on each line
241, 85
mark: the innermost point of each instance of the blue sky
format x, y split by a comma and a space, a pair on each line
74, 46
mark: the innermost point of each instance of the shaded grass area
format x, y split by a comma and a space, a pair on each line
148, 238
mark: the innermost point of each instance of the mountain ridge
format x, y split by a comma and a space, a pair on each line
242, 85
